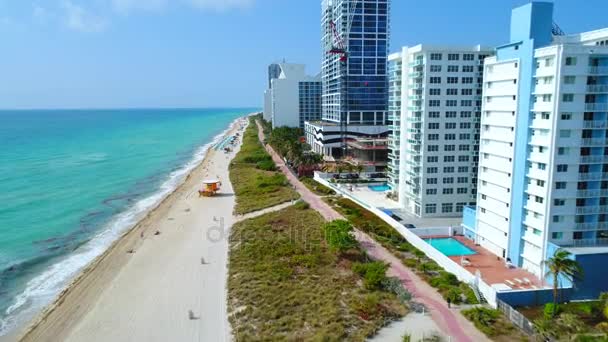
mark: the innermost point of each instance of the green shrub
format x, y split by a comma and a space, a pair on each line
266, 165
453, 295
411, 263
373, 273
551, 310
339, 237
484, 319
368, 306
302, 205
405, 246
394, 285
469, 294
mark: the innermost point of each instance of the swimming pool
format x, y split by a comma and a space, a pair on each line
379, 188
450, 247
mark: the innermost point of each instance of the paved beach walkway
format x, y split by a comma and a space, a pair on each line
450, 321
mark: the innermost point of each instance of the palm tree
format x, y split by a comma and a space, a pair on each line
358, 168
329, 167
340, 168
561, 266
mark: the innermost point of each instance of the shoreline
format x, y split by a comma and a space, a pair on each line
79, 295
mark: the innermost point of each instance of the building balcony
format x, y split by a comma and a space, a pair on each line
589, 176
594, 124
368, 143
416, 85
417, 63
592, 193
593, 142
416, 74
596, 107
598, 70
593, 159
588, 226
597, 88
413, 162
592, 209
587, 243
416, 97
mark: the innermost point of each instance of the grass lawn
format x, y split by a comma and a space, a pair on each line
256, 183
316, 187
285, 284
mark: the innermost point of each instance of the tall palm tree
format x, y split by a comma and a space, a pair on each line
561, 266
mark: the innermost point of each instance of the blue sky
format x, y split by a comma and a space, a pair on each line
208, 53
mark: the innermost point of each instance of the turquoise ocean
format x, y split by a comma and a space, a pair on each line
71, 181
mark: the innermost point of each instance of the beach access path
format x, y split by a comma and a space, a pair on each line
164, 280
449, 320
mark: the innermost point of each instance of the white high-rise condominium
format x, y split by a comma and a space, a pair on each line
543, 171
434, 106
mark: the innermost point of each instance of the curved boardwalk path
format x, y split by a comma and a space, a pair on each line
450, 321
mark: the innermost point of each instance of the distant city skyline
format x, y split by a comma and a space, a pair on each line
207, 53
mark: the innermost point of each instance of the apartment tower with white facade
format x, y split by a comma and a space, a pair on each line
543, 170
434, 107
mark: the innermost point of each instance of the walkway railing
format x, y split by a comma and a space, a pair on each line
516, 317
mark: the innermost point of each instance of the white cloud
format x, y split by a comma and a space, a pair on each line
221, 5
79, 19
125, 6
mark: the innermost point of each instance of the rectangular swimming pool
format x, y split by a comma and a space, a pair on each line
450, 246
379, 188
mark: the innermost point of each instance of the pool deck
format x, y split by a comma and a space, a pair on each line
493, 269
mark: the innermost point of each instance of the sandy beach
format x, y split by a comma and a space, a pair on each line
163, 280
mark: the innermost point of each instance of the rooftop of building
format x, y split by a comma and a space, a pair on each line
577, 38
439, 48
587, 250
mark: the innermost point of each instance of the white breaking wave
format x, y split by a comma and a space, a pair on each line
42, 289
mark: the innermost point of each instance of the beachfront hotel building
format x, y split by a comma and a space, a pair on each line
355, 90
434, 110
543, 159
293, 97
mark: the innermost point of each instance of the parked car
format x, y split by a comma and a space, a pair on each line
409, 226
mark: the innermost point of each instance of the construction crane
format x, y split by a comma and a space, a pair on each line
556, 30
340, 47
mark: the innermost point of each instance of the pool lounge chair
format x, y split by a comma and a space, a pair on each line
510, 283
519, 281
527, 281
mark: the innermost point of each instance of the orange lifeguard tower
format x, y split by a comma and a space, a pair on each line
210, 187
